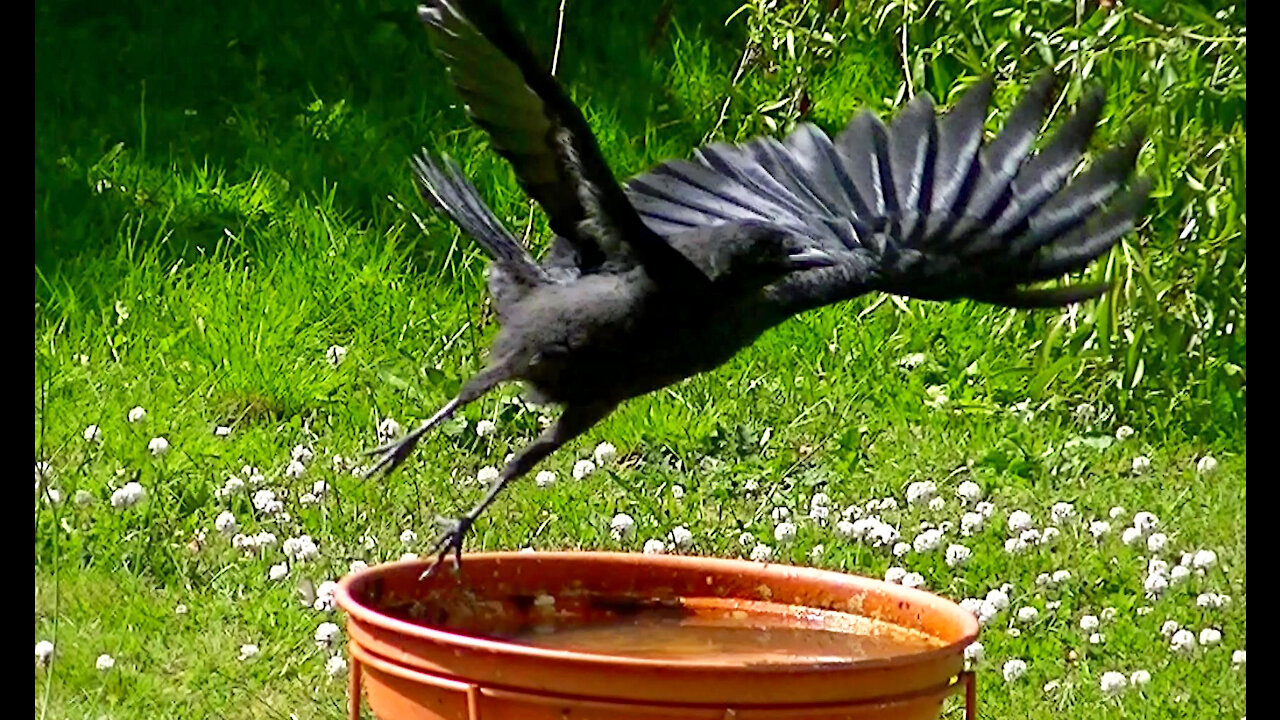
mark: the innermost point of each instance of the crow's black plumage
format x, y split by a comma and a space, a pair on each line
672, 273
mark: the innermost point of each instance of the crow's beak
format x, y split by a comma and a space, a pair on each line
809, 258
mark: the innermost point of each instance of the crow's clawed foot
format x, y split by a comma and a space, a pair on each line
451, 539
393, 454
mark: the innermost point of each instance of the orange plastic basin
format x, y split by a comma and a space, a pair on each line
428, 650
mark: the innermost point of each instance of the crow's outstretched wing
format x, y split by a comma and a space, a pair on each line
922, 207
534, 125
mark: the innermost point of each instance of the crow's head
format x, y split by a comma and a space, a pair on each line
751, 255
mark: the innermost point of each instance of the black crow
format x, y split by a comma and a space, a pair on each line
671, 274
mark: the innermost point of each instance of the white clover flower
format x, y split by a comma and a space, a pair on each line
816, 551
888, 503
999, 598
300, 549
1210, 636
1089, 623
1027, 614
937, 504
335, 665
324, 595
1206, 465
1141, 465
913, 580
987, 612
970, 523
302, 454
1155, 585
335, 355
1061, 576
984, 508
1014, 670
485, 428
1157, 542
912, 361
604, 453
900, 549
819, 514
105, 662
83, 497
784, 533
681, 538
545, 478
1237, 657
1015, 546
845, 529
779, 514
973, 654
158, 446
895, 574
1044, 579
927, 541
1183, 641
408, 537
137, 414
388, 429
1129, 535
969, 492
1178, 575
357, 566
1169, 628
128, 495
654, 546
583, 468
746, 539
264, 539
1062, 512
971, 605
882, 534
1145, 522
52, 496
677, 492
1049, 536
1204, 559
226, 523
248, 652
622, 527
233, 486
1085, 412
326, 634
277, 571
1099, 528
819, 499
295, 469
319, 488
761, 553
1139, 678
1018, 521
1124, 432
487, 474
93, 434
1113, 682
44, 653
921, 492
1116, 512
265, 501
1096, 639
1108, 614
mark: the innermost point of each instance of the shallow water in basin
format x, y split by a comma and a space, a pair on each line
766, 633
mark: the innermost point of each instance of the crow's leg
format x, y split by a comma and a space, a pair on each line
575, 420
395, 452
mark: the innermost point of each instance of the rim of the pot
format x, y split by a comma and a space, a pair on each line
368, 615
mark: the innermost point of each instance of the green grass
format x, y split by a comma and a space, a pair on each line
222, 196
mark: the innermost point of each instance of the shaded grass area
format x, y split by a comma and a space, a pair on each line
222, 195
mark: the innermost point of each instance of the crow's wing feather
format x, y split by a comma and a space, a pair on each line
920, 207
534, 125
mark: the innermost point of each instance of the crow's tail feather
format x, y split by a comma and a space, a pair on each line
444, 186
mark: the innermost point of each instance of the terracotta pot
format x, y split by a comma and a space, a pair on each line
419, 651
